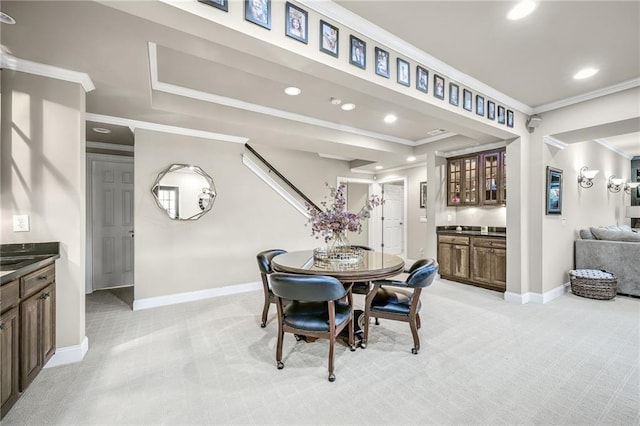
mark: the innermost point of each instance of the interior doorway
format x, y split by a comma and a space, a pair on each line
110, 222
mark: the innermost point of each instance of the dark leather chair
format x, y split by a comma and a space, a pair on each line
400, 300
264, 264
314, 308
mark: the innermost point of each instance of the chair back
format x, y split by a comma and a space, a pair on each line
366, 248
307, 288
264, 260
422, 273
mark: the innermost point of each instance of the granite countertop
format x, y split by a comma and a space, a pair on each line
473, 231
20, 259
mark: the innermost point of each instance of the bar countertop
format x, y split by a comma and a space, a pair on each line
20, 259
498, 232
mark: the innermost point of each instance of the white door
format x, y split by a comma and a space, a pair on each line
392, 223
112, 240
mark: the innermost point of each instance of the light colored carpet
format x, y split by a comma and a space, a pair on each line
482, 361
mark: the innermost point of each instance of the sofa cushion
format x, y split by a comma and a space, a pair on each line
586, 234
625, 228
611, 235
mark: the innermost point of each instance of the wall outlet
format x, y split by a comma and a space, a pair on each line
20, 223
421, 252
449, 218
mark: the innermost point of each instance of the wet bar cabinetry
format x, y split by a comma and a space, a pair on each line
473, 258
477, 179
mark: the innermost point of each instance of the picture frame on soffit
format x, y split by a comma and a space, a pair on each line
297, 23
357, 52
329, 38
422, 79
258, 12
220, 4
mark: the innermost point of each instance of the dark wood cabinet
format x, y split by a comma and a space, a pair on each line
476, 260
478, 179
9, 346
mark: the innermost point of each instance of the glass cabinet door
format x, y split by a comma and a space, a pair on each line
454, 182
491, 179
470, 180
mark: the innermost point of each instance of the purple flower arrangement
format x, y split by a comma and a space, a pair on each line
335, 219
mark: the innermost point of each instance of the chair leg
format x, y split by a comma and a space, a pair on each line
377, 321
265, 311
352, 327
365, 336
416, 338
332, 342
418, 323
279, 345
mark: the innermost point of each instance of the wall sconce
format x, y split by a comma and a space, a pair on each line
630, 185
585, 178
614, 184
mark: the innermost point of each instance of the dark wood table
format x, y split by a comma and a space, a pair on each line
375, 266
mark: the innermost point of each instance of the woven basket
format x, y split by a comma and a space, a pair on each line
593, 284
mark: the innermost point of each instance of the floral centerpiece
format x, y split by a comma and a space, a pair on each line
334, 220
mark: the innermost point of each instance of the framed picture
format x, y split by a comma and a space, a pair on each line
328, 39
382, 62
297, 25
220, 4
258, 12
422, 79
467, 100
358, 53
480, 105
491, 110
500, 114
423, 195
554, 191
509, 118
454, 94
438, 86
403, 72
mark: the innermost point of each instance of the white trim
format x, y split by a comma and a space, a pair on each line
137, 124
109, 146
354, 180
192, 296
30, 67
69, 354
550, 140
275, 186
380, 36
362, 172
405, 167
607, 145
470, 150
335, 157
260, 109
587, 96
537, 297
436, 138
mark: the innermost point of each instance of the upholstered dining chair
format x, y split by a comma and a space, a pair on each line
314, 309
400, 300
264, 264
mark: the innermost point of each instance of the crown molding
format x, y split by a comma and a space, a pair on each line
550, 140
610, 147
22, 65
471, 150
136, 124
368, 29
588, 96
260, 109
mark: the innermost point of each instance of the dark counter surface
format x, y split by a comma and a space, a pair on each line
473, 231
20, 259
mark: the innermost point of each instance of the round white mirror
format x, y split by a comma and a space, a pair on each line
184, 192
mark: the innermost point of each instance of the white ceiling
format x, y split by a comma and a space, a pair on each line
533, 65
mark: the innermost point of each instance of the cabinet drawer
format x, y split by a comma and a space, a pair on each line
490, 242
37, 280
8, 295
453, 239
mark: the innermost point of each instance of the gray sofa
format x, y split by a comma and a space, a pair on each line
613, 249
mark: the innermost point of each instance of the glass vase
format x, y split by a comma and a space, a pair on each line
338, 243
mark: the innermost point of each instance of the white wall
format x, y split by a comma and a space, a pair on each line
43, 175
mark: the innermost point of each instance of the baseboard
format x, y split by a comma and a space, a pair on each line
536, 297
172, 299
69, 354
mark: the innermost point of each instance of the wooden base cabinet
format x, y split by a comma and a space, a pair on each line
37, 319
476, 260
9, 346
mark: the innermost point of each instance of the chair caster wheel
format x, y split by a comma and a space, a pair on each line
332, 377
414, 351
353, 348
280, 365
363, 345
298, 337
263, 325
377, 321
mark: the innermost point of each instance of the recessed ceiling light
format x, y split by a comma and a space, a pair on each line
412, 158
6, 19
585, 73
378, 167
390, 118
292, 91
435, 132
348, 107
335, 101
101, 130
522, 9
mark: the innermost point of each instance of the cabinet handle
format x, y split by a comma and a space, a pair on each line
45, 295
42, 277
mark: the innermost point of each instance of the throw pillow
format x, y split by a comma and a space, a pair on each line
610, 235
586, 234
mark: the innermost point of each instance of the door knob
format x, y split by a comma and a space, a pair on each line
130, 233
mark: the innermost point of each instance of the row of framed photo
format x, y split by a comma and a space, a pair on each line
297, 25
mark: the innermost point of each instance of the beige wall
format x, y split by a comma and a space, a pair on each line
43, 175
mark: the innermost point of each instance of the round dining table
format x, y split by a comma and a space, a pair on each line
374, 266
